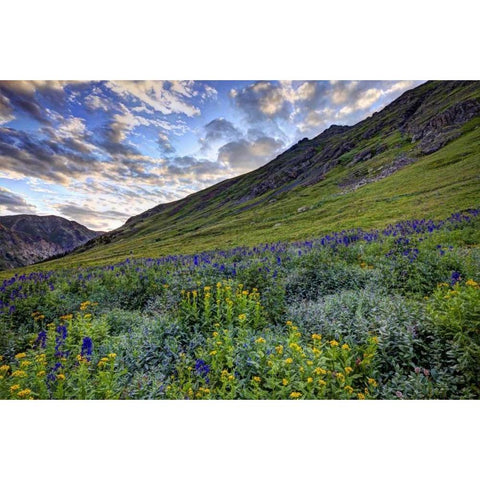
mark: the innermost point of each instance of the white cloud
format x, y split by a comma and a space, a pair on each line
164, 97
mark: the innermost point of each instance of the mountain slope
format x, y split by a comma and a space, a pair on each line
26, 239
419, 156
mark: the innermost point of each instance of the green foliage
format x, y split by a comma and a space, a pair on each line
58, 367
281, 366
454, 320
341, 321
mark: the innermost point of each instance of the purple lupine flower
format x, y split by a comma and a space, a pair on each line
87, 347
455, 278
41, 339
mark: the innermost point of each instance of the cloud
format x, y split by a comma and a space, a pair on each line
56, 155
217, 131
220, 129
23, 94
96, 101
12, 203
261, 101
91, 218
162, 96
243, 155
196, 171
6, 110
164, 144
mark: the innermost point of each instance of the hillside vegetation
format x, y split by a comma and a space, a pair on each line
418, 157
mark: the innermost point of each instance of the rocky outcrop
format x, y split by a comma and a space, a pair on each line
443, 127
358, 180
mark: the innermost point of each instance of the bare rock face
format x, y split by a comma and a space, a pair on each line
443, 127
27, 239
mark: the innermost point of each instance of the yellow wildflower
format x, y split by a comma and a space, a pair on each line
348, 370
345, 347
471, 283
4, 368
41, 358
14, 387
372, 381
242, 317
231, 377
18, 356
375, 339
25, 363
87, 316
361, 396
61, 376
289, 360
320, 371
340, 376
24, 393
257, 379
19, 373
84, 305
289, 323
279, 349
112, 355
316, 351
309, 380
333, 343
260, 340
284, 382
295, 395
349, 389
309, 363
42, 373
296, 347
315, 336
215, 334
213, 352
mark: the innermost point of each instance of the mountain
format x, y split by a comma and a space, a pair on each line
418, 157
26, 239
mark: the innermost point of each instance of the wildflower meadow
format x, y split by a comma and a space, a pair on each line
383, 314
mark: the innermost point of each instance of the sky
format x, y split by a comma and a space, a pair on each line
99, 152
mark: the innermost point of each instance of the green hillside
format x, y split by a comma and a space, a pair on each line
418, 157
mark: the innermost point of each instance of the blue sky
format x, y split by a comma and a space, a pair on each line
99, 152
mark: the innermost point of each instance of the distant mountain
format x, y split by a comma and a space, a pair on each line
26, 239
419, 156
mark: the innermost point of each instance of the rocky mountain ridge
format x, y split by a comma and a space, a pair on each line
27, 239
